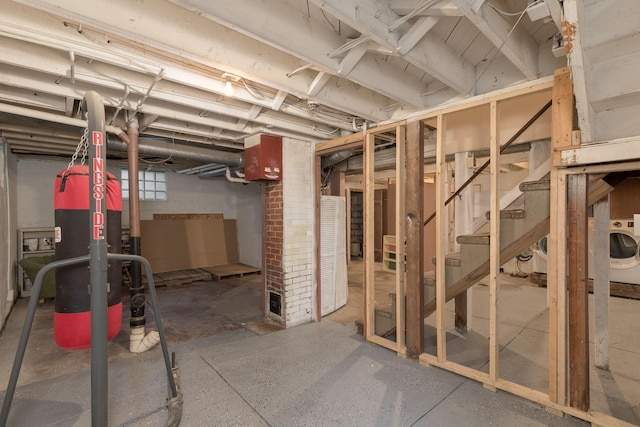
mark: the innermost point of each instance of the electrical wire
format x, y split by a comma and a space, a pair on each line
329, 22
253, 93
159, 162
502, 44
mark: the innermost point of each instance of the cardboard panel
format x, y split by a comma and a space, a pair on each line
180, 244
231, 240
163, 243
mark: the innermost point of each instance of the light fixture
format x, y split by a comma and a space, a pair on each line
228, 88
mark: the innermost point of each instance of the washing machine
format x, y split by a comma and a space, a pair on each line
624, 252
540, 260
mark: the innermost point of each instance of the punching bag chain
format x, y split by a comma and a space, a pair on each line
82, 145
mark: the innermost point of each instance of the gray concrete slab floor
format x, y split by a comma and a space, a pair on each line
238, 369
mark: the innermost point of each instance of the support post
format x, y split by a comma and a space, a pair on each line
441, 239
98, 265
414, 185
494, 244
400, 202
369, 235
601, 284
578, 292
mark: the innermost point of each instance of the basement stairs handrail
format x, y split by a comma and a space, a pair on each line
484, 166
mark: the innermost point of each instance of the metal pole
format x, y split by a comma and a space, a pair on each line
136, 289
98, 265
26, 331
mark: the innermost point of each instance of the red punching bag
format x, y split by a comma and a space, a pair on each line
72, 317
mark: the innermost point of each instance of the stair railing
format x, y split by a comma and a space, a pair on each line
484, 166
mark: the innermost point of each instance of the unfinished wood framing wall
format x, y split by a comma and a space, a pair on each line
568, 188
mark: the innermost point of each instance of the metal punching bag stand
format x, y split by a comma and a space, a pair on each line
98, 264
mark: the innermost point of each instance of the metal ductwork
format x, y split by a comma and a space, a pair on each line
156, 148
336, 158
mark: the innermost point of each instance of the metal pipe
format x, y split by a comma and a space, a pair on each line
195, 154
98, 265
213, 172
50, 117
335, 158
136, 291
234, 179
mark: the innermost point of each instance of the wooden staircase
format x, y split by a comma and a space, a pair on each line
522, 223
519, 229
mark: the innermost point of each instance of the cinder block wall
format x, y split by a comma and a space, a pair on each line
289, 235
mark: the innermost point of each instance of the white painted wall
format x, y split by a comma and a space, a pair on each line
249, 223
298, 255
186, 194
8, 233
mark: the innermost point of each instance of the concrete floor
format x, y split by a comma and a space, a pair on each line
237, 369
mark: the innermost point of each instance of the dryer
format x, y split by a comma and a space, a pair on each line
624, 252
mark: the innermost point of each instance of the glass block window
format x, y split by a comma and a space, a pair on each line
152, 185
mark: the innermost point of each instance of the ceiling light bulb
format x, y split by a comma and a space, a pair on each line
228, 88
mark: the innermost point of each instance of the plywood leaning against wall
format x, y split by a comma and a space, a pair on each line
188, 241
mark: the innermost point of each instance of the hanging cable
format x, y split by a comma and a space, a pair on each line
501, 45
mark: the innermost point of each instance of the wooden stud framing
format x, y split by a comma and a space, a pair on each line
563, 106
556, 308
441, 237
539, 85
401, 177
369, 238
494, 244
562, 111
556, 399
578, 292
414, 230
339, 144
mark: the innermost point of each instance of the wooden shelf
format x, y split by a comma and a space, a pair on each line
389, 253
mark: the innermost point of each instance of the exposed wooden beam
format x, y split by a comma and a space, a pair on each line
318, 83
515, 43
415, 246
400, 205
188, 37
416, 33
352, 58
580, 67
578, 291
442, 8
430, 54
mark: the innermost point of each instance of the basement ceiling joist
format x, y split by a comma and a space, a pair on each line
309, 70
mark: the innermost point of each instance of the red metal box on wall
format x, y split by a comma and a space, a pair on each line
263, 158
